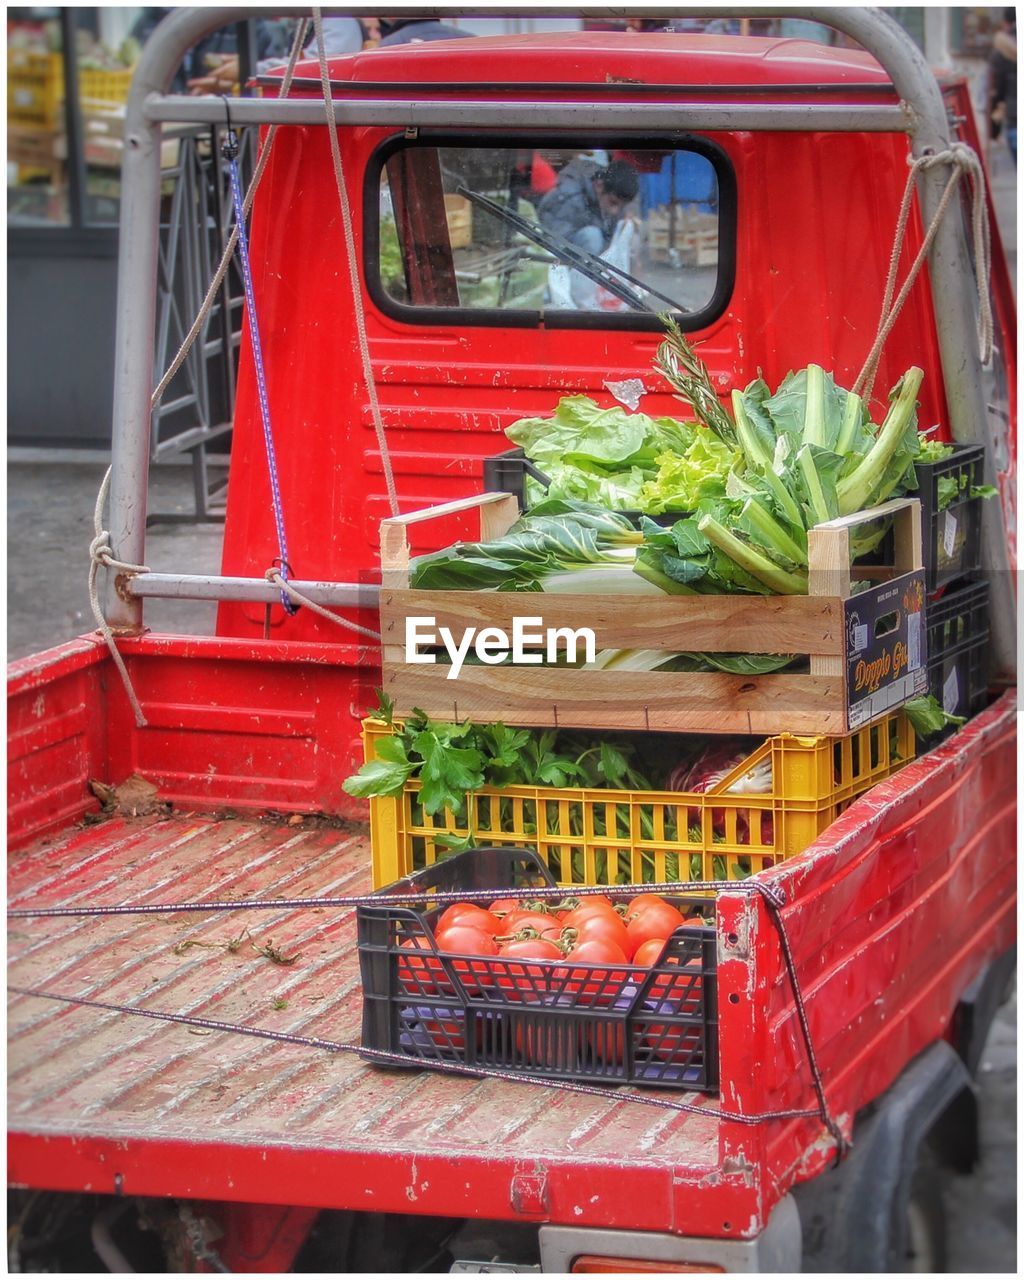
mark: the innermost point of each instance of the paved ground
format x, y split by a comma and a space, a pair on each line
49, 528
49, 516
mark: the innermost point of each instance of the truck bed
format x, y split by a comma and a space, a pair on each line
109, 1102
891, 915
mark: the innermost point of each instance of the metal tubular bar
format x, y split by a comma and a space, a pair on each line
876, 31
483, 114
195, 586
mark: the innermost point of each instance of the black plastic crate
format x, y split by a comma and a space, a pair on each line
951, 534
957, 627
557, 1019
507, 472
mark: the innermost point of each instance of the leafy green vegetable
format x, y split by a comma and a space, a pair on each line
598, 455
928, 717
684, 479
454, 760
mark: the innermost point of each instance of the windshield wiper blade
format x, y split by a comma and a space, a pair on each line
586, 263
594, 268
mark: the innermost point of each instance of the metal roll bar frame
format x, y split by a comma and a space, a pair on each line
921, 114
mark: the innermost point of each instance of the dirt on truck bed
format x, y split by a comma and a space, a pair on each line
108, 1101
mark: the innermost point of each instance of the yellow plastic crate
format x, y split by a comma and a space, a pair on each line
35, 87
105, 86
630, 837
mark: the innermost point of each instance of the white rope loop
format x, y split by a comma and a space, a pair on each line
964, 161
353, 266
102, 556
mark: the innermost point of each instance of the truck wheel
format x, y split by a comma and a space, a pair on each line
918, 1243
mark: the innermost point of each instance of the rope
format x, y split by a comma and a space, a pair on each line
353, 265
772, 895
230, 151
101, 555
964, 161
275, 576
229, 248
401, 1060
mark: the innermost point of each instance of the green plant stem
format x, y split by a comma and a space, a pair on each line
769, 528
857, 489
814, 408
756, 564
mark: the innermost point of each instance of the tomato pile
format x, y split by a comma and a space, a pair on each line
617, 943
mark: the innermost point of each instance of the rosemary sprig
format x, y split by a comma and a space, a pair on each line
684, 370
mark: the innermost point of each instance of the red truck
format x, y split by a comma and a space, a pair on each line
186, 1146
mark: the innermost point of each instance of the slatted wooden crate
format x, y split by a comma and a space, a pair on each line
458, 213
858, 670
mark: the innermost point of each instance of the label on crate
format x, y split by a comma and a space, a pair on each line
885, 658
951, 692
949, 534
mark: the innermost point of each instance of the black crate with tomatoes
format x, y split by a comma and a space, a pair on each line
595, 987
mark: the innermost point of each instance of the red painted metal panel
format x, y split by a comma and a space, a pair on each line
891, 915
56, 741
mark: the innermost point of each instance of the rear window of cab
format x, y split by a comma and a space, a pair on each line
568, 232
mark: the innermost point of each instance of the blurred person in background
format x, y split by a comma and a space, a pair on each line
587, 202
341, 36
416, 30
1002, 96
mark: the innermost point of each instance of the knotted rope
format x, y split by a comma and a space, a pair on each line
102, 556
964, 161
275, 576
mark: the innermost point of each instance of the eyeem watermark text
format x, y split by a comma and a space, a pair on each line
530, 643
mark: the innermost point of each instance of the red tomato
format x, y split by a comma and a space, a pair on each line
607, 927
526, 920
596, 982
531, 948
649, 953
502, 906
593, 899
548, 1044
464, 940
446, 1033
642, 900
527, 981
587, 909
467, 913
420, 974
652, 920
671, 1043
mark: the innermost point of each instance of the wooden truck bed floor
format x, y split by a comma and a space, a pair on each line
107, 1102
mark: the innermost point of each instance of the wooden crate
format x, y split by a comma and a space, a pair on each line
458, 213
694, 237
103, 136
835, 630
37, 153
